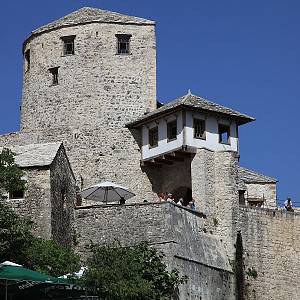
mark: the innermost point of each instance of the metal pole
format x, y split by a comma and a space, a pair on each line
6, 289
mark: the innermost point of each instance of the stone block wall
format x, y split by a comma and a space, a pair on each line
177, 231
214, 186
63, 198
36, 205
272, 249
266, 191
98, 93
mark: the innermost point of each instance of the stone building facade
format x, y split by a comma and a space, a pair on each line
90, 82
50, 190
98, 91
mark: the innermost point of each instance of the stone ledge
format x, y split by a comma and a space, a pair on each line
273, 211
103, 206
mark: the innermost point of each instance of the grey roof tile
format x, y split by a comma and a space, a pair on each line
91, 15
192, 102
34, 155
249, 176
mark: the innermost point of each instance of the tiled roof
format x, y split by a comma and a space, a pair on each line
192, 102
249, 176
92, 15
35, 155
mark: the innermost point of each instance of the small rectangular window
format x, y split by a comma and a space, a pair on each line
68, 44
199, 129
153, 137
17, 194
27, 60
172, 130
123, 43
54, 72
224, 134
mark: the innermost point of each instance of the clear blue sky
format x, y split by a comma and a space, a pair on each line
241, 54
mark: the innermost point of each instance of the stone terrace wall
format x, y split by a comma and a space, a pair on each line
175, 230
271, 241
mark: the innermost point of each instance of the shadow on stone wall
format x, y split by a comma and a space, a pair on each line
239, 267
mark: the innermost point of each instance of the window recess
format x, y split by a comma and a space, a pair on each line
224, 134
153, 137
68, 44
199, 129
54, 73
123, 43
27, 60
172, 130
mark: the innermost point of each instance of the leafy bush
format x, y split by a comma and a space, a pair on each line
136, 272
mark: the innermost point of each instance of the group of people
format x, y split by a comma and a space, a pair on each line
169, 197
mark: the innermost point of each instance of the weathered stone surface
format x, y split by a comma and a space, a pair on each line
99, 92
63, 198
214, 185
272, 248
49, 196
34, 155
102, 90
171, 228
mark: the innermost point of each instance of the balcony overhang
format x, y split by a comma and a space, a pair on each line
170, 157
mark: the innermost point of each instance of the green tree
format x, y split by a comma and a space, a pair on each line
15, 235
46, 256
10, 174
136, 272
18, 244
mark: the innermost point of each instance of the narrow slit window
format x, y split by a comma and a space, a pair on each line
19, 194
27, 59
172, 130
68, 43
123, 43
54, 73
224, 134
199, 129
153, 137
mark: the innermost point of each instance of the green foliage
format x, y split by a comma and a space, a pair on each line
251, 272
10, 174
15, 235
18, 244
136, 272
46, 256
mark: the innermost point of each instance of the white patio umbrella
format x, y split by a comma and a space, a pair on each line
106, 192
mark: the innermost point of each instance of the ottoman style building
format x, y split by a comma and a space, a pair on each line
89, 114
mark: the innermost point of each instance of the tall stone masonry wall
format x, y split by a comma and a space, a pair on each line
214, 186
98, 93
271, 253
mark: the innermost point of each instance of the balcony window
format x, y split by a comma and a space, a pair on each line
199, 129
172, 130
153, 137
224, 134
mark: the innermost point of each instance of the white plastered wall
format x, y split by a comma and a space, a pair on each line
211, 141
163, 145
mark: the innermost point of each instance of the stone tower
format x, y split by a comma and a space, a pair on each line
85, 76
